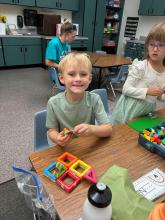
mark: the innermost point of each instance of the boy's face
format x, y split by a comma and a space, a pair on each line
76, 77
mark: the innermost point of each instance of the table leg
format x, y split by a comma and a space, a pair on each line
99, 80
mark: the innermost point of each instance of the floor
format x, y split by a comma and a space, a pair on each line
22, 93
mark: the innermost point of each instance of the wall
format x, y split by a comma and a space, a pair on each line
145, 22
11, 11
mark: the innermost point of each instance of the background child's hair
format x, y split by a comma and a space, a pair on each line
67, 27
157, 33
72, 57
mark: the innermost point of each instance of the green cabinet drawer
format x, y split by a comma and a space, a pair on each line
20, 41
19, 2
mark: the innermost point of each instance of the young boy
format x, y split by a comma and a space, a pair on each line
76, 109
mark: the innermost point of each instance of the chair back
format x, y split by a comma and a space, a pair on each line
122, 74
104, 97
54, 78
40, 131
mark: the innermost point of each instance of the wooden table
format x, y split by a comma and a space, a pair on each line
121, 149
102, 61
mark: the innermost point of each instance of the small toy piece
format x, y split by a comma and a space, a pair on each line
54, 170
62, 181
67, 131
90, 175
67, 159
79, 168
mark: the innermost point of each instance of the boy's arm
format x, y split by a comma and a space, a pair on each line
104, 130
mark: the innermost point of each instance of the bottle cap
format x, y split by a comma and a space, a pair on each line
158, 212
99, 195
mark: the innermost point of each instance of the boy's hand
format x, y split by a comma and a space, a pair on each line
63, 139
155, 91
83, 130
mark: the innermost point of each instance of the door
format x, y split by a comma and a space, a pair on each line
26, 2
99, 25
14, 55
33, 54
72, 5
47, 3
1, 57
89, 21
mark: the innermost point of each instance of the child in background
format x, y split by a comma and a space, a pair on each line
76, 109
146, 80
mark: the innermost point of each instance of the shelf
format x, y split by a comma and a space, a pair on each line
112, 19
112, 8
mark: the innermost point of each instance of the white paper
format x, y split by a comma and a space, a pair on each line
151, 185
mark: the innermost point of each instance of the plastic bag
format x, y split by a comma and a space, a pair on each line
35, 194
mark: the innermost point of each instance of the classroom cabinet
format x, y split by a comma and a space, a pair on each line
19, 2
134, 50
72, 5
1, 55
90, 18
152, 8
22, 51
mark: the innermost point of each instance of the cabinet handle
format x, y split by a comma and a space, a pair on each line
25, 49
21, 49
57, 4
60, 5
152, 11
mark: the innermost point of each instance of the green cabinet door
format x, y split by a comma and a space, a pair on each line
158, 7
47, 3
145, 7
99, 25
1, 57
6, 1
72, 5
89, 21
32, 54
26, 2
14, 55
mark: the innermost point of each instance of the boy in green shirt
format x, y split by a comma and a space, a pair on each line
76, 109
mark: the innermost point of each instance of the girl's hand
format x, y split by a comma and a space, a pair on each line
83, 130
155, 91
63, 139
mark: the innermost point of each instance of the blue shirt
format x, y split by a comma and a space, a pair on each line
56, 50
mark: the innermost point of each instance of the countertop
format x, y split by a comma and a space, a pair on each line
41, 36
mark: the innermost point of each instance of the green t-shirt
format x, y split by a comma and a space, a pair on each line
63, 114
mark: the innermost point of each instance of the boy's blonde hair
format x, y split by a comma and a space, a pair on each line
157, 33
81, 58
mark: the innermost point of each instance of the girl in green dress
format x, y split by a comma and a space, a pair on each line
146, 80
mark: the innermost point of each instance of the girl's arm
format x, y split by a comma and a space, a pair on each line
136, 74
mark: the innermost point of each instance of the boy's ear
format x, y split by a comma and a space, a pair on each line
61, 78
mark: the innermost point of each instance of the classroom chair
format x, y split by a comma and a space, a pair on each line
40, 131
104, 98
118, 78
55, 80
